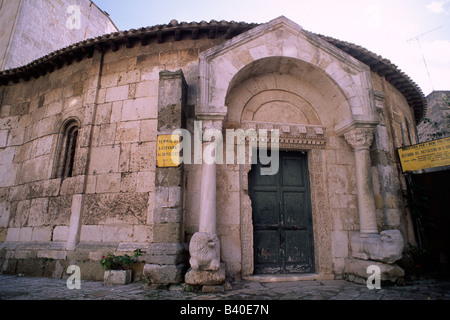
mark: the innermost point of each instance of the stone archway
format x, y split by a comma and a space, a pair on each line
303, 104
281, 38
274, 52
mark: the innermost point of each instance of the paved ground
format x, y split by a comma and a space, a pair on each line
245, 299
25, 288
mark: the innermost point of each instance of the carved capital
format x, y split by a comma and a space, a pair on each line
212, 124
360, 138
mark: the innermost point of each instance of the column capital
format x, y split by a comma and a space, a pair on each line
212, 114
358, 133
360, 138
212, 123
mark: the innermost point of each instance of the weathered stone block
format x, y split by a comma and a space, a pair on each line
60, 233
139, 109
129, 208
105, 159
167, 232
128, 132
163, 274
116, 93
117, 233
145, 181
25, 234
41, 234
167, 248
91, 233
167, 215
13, 234
165, 259
117, 277
108, 183
206, 278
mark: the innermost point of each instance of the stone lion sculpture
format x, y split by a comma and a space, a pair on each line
205, 251
386, 247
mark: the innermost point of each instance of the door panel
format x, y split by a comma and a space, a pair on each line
293, 205
266, 207
267, 246
292, 176
283, 238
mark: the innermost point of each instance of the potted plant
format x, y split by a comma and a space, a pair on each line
117, 268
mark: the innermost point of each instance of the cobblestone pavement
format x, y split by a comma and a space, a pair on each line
14, 287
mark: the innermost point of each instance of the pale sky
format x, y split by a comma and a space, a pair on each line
384, 27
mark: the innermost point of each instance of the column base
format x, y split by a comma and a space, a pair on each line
206, 278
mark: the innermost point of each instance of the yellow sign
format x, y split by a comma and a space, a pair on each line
425, 155
168, 151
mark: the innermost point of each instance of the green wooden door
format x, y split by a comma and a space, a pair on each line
282, 220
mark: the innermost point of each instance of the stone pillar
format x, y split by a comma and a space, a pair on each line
75, 222
381, 249
167, 255
204, 247
360, 139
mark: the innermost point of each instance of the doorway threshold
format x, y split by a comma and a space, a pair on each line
288, 277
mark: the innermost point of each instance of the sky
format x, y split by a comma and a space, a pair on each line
412, 34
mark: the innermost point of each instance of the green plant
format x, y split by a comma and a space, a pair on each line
123, 262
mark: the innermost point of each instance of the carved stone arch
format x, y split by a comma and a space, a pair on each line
283, 38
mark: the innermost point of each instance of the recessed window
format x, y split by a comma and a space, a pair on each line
67, 149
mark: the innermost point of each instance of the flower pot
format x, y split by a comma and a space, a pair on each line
117, 277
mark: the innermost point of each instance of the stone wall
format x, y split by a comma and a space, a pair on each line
107, 205
437, 113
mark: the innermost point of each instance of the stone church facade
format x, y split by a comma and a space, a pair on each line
79, 176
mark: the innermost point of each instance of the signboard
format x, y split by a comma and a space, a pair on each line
425, 155
168, 151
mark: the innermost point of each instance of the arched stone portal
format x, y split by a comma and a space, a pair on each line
279, 76
302, 102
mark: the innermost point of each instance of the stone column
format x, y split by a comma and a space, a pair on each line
204, 247
360, 139
368, 244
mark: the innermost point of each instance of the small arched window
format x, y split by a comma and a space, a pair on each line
67, 149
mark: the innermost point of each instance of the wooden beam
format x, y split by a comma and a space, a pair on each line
194, 34
177, 35
159, 36
144, 40
114, 45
